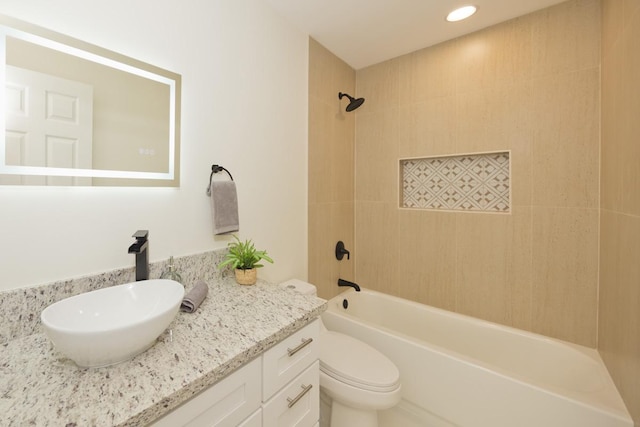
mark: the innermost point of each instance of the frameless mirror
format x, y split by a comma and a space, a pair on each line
77, 114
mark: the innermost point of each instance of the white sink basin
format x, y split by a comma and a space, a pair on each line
111, 325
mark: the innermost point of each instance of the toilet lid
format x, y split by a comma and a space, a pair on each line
356, 363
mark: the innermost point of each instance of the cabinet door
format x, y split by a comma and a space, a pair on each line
297, 404
225, 404
254, 420
289, 358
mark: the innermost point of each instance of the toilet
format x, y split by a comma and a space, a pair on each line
357, 378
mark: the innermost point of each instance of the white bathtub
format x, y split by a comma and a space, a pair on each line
460, 371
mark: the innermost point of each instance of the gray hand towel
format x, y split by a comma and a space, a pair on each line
194, 298
224, 206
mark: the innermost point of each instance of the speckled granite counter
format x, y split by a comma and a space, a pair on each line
40, 387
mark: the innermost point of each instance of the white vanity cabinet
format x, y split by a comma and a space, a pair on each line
291, 380
255, 420
278, 389
226, 404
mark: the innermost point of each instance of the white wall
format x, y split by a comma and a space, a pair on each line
244, 105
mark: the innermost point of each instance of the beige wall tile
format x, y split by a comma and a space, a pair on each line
331, 158
377, 156
490, 119
376, 252
341, 178
498, 55
565, 267
321, 131
613, 91
493, 259
405, 85
521, 170
379, 85
609, 295
484, 251
427, 257
320, 72
331, 169
320, 273
565, 153
619, 333
629, 121
619, 293
328, 75
427, 128
428, 73
331, 129
328, 224
344, 80
566, 37
521, 268
631, 9
613, 15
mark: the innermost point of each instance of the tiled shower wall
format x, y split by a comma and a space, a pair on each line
529, 86
331, 169
619, 304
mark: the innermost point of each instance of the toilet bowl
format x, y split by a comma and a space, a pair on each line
358, 379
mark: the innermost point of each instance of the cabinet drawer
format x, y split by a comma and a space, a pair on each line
297, 404
289, 358
227, 403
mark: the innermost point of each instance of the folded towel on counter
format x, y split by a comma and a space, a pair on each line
194, 297
224, 206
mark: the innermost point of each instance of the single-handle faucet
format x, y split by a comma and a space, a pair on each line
341, 251
141, 249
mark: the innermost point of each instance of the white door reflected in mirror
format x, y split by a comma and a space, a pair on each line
126, 118
49, 122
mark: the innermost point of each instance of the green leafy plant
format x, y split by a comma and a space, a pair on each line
244, 255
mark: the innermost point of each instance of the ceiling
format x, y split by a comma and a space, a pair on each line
366, 32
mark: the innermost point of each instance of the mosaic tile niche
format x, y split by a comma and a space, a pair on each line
471, 182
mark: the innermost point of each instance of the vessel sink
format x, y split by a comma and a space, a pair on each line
113, 324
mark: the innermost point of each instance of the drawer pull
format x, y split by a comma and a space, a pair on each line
302, 345
305, 390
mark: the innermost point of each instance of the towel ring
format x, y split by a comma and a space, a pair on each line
218, 168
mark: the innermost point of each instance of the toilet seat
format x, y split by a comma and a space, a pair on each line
357, 364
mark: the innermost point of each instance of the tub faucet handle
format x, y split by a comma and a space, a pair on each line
341, 251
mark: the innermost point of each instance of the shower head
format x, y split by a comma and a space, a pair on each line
353, 102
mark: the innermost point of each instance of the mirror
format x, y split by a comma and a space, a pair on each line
77, 114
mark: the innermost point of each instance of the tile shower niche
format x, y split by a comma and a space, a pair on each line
478, 182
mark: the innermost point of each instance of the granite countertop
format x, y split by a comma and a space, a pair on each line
39, 386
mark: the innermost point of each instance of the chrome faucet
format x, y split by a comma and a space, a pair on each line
141, 249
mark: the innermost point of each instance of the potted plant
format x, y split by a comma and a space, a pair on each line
244, 258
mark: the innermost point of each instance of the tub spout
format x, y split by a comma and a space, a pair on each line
342, 282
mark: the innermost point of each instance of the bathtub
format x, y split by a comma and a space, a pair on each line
461, 371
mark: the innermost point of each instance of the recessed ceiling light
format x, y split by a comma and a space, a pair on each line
461, 13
